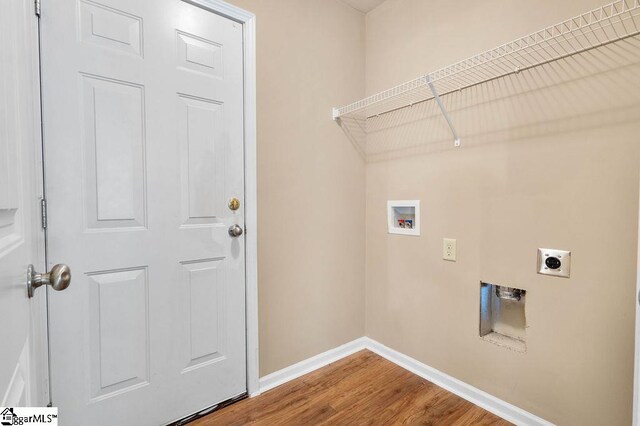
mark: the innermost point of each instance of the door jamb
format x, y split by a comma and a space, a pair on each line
248, 21
39, 330
636, 373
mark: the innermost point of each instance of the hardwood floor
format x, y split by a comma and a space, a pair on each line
361, 389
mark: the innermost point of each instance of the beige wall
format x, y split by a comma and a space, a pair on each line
554, 167
548, 167
310, 179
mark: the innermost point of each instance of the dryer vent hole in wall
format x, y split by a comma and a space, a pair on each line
502, 316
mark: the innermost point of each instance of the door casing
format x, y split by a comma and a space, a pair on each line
636, 373
247, 20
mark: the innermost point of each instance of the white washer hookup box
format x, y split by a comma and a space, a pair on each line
403, 217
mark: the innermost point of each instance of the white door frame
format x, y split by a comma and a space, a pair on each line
636, 374
247, 20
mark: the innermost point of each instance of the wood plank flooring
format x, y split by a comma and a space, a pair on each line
363, 389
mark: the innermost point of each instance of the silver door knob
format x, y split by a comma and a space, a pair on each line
58, 278
235, 230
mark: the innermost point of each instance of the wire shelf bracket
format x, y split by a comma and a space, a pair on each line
443, 109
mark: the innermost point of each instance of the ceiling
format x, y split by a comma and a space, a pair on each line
364, 5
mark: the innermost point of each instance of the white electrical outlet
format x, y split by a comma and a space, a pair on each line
449, 249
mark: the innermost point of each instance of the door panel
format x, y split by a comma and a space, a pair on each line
113, 122
202, 157
202, 282
118, 321
143, 128
110, 28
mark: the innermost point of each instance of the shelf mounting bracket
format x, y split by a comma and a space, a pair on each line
436, 97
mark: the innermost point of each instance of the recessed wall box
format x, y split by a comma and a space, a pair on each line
403, 217
554, 262
502, 316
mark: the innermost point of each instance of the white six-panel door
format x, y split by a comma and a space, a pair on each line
143, 137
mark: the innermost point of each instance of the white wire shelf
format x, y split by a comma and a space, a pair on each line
599, 27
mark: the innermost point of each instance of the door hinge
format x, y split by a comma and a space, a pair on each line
43, 212
37, 5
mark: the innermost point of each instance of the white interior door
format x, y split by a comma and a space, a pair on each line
21, 237
143, 137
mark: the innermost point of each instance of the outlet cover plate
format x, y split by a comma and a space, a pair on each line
449, 249
564, 258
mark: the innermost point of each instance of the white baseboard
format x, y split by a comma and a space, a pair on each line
301, 368
474, 395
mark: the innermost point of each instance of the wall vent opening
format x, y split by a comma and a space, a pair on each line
502, 316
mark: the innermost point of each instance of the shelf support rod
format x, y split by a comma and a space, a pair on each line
456, 138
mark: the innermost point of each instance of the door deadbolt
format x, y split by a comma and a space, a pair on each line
58, 278
234, 204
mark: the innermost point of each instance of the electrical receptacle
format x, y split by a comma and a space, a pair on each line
449, 249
